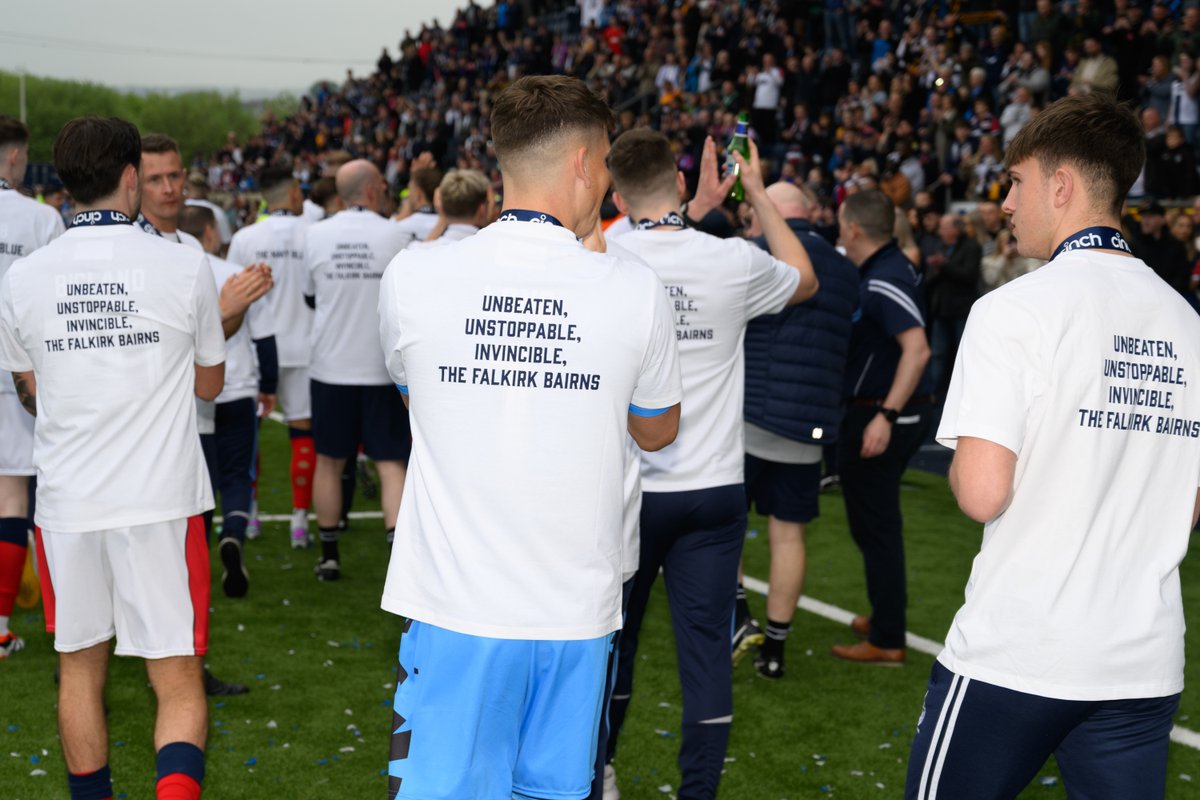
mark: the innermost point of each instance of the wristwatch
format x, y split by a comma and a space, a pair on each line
890, 414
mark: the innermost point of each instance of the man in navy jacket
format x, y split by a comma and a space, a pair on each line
793, 406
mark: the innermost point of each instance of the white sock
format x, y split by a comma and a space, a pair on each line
3, 625
299, 518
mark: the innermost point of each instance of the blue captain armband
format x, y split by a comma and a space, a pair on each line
638, 411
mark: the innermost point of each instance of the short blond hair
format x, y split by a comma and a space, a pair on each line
463, 192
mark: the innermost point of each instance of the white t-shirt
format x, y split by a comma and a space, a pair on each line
419, 225
454, 232
344, 258
714, 286
278, 240
522, 353
241, 358
112, 321
25, 225
1083, 369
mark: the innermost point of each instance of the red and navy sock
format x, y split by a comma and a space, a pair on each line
91, 785
304, 464
14, 542
180, 772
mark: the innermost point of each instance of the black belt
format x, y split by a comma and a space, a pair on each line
877, 402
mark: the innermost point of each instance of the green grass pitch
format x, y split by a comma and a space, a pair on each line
320, 660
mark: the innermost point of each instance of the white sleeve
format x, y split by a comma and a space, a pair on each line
389, 326
658, 385
13, 357
260, 320
208, 336
997, 373
770, 282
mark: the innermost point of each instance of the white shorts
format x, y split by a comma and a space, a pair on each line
147, 585
294, 400
16, 436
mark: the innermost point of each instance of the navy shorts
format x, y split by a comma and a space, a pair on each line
345, 416
978, 741
788, 492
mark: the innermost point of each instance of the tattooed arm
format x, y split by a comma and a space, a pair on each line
26, 385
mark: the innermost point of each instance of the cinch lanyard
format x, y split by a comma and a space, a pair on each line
100, 218
670, 218
360, 208
426, 210
1100, 237
280, 212
147, 225
521, 215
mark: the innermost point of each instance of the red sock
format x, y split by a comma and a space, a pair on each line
304, 464
177, 786
12, 564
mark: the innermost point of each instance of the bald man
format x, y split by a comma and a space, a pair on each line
353, 398
794, 365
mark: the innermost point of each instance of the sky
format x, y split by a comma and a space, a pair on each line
172, 45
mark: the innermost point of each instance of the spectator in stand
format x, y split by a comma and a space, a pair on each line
953, 282
1005, 263
1156, 87
1161, 251
1097, 72
1016, 114
1173, 167
1184, 110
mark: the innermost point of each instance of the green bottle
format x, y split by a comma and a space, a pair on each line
740, 143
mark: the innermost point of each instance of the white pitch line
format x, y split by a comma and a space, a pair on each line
288, 517
1179, 734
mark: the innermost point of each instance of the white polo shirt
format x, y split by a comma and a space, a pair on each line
522, 353
112, 322
1083, 369
278, 239
714, 287
241, 359
344, 260
25, 225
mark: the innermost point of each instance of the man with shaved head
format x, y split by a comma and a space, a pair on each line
353, 399
794, 365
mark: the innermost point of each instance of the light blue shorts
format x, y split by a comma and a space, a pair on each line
494, 719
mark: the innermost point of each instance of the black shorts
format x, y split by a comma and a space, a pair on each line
788, 492
345, 416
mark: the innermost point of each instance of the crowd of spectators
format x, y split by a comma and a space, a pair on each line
917, 98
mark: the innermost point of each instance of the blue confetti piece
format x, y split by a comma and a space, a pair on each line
260, 676
250, 762
826, 788
122, 796
322, 762
223, 732
217, 723
218, 705
383, 772
34, 759
13, 728
804, 768
118, 744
